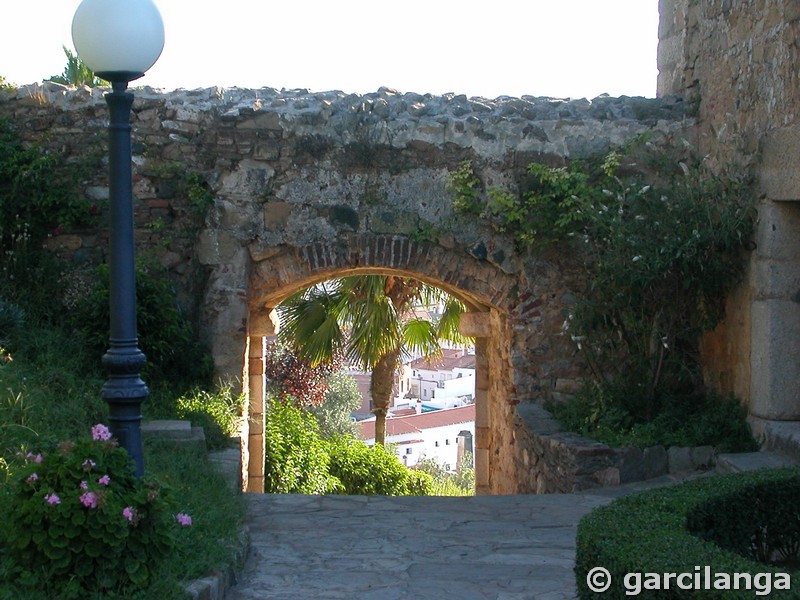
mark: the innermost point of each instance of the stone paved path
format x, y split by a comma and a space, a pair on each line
412, 548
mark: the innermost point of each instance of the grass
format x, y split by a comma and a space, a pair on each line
50, 392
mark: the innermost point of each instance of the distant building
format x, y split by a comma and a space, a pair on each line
438, 435
444, 381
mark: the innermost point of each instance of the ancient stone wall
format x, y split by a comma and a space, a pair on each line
738, 62
310, 186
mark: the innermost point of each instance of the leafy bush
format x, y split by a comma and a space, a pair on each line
682, 421
80, 521
174, 355
300, 461
12, 318
757, 520
661, 239
445, 483
296, 456
39, 191
648, 533
218, 413
373, 470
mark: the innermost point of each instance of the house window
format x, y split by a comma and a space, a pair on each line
436, 444
447, 442
408, 450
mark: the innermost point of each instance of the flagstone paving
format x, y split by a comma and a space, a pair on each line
416, 548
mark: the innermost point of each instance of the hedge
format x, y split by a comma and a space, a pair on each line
709, 522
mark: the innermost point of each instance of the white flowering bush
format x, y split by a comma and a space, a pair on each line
82, 523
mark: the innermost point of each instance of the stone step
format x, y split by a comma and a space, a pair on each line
174, 431
751, 461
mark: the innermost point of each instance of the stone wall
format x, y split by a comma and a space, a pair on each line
309, 186
738, 62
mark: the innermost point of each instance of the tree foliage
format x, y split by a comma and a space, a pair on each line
341, 400
291, 377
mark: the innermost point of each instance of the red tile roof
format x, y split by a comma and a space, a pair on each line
416, 423
449, 360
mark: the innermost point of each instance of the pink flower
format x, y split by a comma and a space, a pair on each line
89, 499
37, 458
129, 513
184, 519
85, 485
101, 432
32, 477
104, 480
52, 499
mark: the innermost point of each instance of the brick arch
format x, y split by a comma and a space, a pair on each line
489, 294
477, 282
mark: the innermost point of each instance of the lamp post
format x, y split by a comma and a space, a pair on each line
119, 40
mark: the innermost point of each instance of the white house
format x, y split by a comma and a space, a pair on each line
450, 376
437, 434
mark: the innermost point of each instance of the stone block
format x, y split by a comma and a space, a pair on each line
703, 457
607, 477
61, 243
631, 465
779, 176
777, 230
775, 374
778, 279
656, 462
475, 324
680, 459
167, 429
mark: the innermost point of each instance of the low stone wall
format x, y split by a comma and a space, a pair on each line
563, 462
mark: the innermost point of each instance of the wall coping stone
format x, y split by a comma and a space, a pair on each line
593, 464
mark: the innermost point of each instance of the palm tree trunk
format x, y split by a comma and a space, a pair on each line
381, 391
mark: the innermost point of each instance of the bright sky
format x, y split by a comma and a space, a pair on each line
559, 48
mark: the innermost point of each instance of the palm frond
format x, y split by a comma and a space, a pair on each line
309, 323
447, 327
419, 337
374, 330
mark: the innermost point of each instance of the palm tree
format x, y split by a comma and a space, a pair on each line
367, 319
77, 73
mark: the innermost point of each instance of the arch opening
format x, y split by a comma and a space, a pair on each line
275, 279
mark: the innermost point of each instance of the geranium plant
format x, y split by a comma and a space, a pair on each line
80, 520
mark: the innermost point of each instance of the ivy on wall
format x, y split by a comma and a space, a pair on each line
661, 240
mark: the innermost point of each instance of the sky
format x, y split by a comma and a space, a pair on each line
557, 48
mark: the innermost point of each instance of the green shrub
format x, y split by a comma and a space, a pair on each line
661, 240
218, 413
376, 470
296, 456
445, 483
79, 521
648, 532
681, 421
12, 319
174, 355
757, 520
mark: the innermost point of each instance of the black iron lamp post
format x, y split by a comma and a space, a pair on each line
119, 40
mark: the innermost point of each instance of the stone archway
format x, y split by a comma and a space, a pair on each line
487, 294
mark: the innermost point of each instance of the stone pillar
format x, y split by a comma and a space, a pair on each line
262, 324
674, 71
775, 311
478, 325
